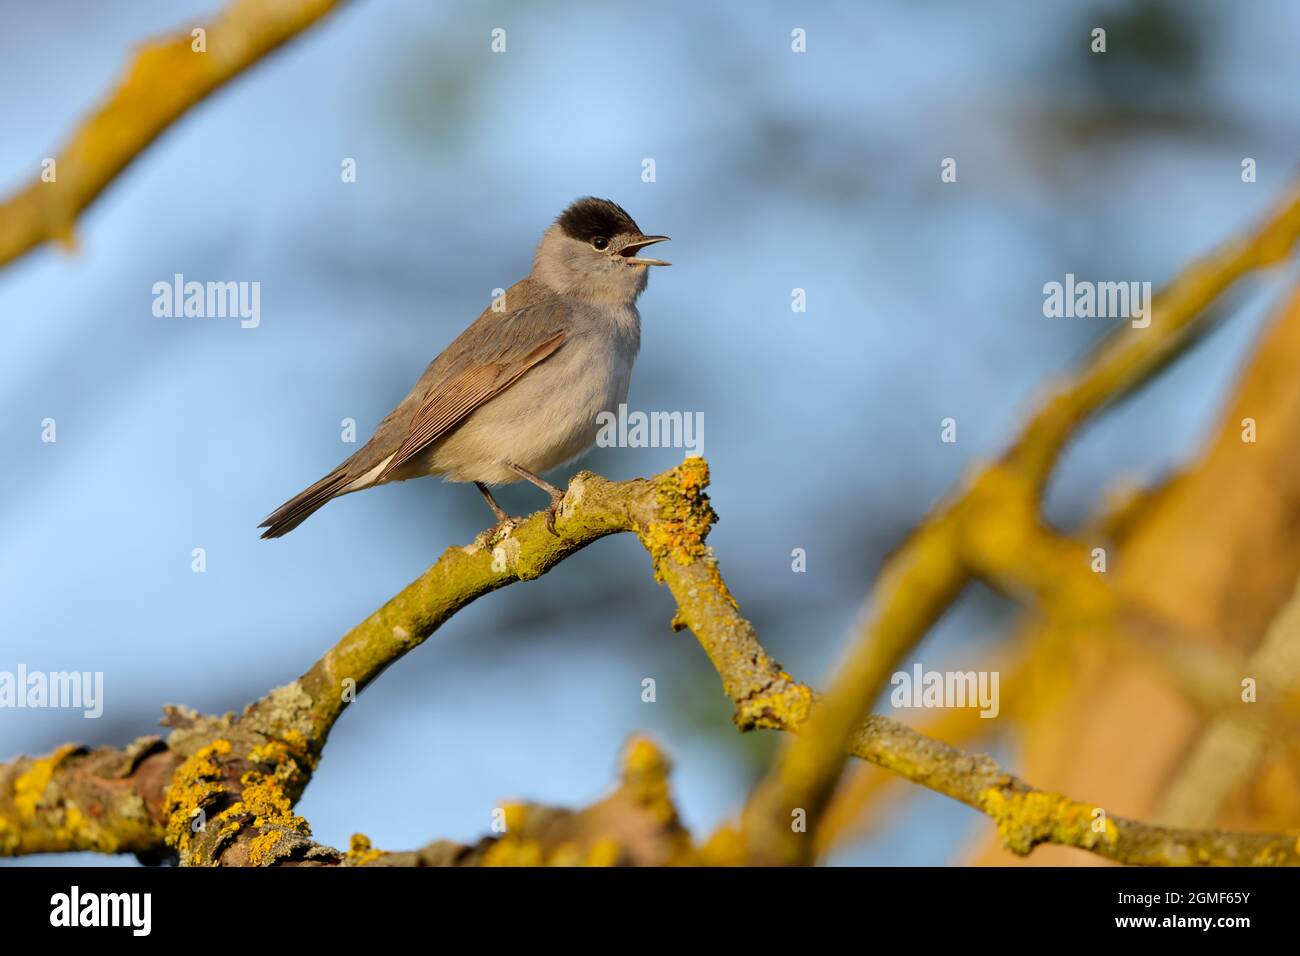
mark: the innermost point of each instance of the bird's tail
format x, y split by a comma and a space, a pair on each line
303, 505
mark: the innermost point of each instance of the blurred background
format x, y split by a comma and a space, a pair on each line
775, 171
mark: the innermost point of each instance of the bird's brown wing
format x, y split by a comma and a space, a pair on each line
455, 396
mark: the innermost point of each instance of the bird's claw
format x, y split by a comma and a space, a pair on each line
556, 501
502, 529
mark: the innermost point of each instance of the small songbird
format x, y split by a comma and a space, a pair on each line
519, 391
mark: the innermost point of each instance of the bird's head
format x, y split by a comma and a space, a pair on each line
591, 252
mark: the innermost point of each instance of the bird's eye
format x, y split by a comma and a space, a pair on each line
600, 242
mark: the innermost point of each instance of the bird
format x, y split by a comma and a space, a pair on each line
519, 392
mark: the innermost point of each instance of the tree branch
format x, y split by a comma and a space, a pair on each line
994, 525
230, 782
166, 78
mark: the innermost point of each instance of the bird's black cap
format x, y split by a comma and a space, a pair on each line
590, 217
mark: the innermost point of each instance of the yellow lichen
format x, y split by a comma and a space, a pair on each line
604, 852
1025, 819
514, 851
642, 756
785, 709
292, 751
361, 851
645, 777
29, 787
262, 802
266, 796
9, 838
726, 847
719, 585
516, 816
568, 853
261, 849
49, 820
78, 830
193, 787
684, 515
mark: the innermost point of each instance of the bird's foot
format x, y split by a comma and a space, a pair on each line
490, 537
505, 524
503, 527
557, 499
557, 495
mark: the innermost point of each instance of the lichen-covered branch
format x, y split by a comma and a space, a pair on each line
237, 778
593, 507
167, 77
106, 800
766, 696
221, 790
1027, 817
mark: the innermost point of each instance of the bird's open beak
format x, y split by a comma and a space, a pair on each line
630, 251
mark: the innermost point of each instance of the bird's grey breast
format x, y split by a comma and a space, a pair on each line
550, 415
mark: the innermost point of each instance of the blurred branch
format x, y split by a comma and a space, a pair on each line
993, 527
166, 78
1051, 573
1230, 747
1131, 357
1201, 570
636, 825
106, 800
